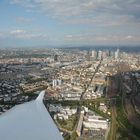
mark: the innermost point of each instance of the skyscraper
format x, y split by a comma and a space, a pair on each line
94, 54
55, 58
117, 54
100, 53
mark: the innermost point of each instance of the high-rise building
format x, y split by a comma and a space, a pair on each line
56, 82
104, 54
56, 58
94, 54
117, 54
100, 53
88, 56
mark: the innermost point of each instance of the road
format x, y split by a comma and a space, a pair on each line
96, 70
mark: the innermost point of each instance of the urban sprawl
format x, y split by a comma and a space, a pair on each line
92, 94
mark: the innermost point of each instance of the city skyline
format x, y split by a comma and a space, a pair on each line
69, 23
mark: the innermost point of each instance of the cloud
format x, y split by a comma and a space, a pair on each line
102, 20
23, 35
25, 3
99, 13
17, 32
92, 38
109, 20
74, 8
24, 20
2, 36
129, 37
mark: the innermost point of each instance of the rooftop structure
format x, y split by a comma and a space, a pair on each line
80, 123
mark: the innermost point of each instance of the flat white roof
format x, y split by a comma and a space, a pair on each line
29, 121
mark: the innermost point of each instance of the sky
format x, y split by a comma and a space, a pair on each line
25, 23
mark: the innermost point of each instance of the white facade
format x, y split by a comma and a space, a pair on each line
117, 54
95, 122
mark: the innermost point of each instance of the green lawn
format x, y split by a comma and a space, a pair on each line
68, 124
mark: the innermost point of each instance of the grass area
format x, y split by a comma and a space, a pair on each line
136, 131
123, 123
122, 134
121, 117
119, 123
66, 137
124, 126
73, 136
69, 123
31, 79
94, 107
